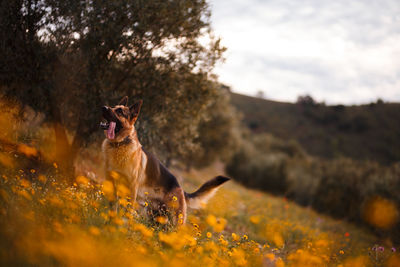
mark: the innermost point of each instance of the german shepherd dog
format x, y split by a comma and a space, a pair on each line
143, 173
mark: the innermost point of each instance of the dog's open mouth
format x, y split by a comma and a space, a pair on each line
110, 127
111, 123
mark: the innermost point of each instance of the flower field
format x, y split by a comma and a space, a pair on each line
47, 223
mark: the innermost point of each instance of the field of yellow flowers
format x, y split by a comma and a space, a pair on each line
45, 222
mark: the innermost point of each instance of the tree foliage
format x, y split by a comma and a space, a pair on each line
219, 132
68, 58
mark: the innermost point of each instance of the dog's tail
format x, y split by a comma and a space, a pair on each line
200, 197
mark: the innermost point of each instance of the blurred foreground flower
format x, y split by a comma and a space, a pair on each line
255, 219
381, 213
162, 219
27, 150
108, 190
218, 224
82, 180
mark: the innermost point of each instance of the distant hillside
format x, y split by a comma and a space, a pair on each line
361, 132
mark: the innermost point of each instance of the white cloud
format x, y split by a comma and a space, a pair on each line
337, 51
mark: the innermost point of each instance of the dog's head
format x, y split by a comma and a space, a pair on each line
120, 119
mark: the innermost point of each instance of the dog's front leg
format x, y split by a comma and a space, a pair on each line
134, 192
107, 175
115, 202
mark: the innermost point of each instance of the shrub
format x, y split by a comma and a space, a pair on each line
261, 162
342, 187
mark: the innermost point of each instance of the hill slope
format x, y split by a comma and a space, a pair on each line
366, 132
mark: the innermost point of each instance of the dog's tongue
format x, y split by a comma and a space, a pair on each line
111, 130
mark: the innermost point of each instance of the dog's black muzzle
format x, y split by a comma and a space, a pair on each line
109, 116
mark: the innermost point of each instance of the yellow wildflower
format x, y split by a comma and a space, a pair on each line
146, 232
162, 219
235, 237
176, 240
278, 240
199, 250
123, 202
27, 150
211, 220
255, 219
123, 191
114, 175
108, 190
42, 178
304, 258
94, 230
112, 213
210, 246
239, 257
270, 256
217, 224
141, 249
25, 183
381, 212
223, 242
82, 180
279, 263
105, 216
118, 221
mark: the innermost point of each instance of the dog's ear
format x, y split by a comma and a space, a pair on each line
135, 110
124, 101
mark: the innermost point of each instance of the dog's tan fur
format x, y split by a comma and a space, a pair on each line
142, 171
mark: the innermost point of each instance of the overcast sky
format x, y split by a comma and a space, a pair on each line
337, 51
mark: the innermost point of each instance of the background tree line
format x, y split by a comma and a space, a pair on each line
361, 132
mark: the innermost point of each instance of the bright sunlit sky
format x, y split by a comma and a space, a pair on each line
337, 51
